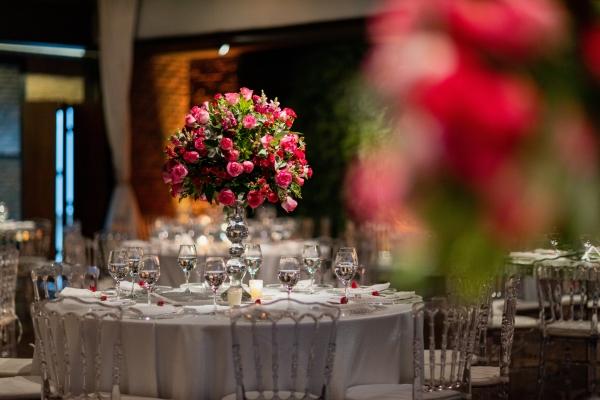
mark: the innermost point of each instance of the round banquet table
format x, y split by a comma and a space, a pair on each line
189, 356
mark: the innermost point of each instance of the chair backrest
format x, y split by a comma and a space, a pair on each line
9, 264
443, 343
569, 293
79, 347
296, 339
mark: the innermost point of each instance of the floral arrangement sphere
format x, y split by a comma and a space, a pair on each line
238, 148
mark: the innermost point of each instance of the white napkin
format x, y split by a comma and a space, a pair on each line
154, 310
126, 287
81, 293
303, 284
379, 287
205, 309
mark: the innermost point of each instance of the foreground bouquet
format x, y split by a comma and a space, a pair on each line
238, 147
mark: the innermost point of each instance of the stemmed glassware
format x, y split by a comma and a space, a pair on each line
134, 255
187, 260
118, 267
149, 273
311, 257
345, 264
289, 273
214, 275
253, 258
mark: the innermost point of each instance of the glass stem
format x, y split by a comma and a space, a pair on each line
133, 276
312, 283
149, 292
215, 301
187, 282
346, 291
118, 290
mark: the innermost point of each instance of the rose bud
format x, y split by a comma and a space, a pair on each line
103, 297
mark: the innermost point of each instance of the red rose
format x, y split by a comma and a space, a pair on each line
354, 285
344, 300
374, 293
191, 156
283, 178
255, 198
199, 144
272, 197
160, 303
257, 301
234, 168
93, 288
226, 144
248, 166
226, 197
233, 155
103, 297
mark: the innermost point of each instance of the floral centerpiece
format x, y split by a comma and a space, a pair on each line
238, 147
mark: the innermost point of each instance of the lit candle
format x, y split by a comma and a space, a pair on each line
256, 286
234, 296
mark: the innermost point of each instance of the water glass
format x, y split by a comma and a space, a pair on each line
253, 258
311, 257
345, 264
289, 273
187, 260
214, 275
149, 273
118, 267
134, 255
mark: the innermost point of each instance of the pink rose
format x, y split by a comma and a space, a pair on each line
190, 120
249, 121
178, 172
226, 144
273, 198
234, 168
299, 181
191, 156
283, 178
226, 197
166, 176
266, 140
233, 155
248, 166
232, 98
289, 204
255, 198
199, 144
246, 93
203, 116
289, 143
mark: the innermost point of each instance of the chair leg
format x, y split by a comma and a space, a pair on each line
541, 368
592, 350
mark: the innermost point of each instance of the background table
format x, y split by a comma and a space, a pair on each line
189, 357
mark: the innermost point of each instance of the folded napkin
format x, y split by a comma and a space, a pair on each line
81, 293
379, 287
153, 310
205, 308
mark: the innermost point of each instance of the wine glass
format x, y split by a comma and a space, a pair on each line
311, 257
118, 267
289, 273
345, 264
253, 258
214, 275
134, 255
149, 272
187, 260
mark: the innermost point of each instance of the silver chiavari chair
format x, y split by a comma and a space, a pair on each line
490, 374
569, 299
443, 341
9, 322
295, 339
80, 350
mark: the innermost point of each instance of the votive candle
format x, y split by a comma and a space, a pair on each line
256, 287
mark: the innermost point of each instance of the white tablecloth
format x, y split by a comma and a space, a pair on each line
189, 357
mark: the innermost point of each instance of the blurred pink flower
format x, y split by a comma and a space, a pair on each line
483, 116
513, 28
375, 186
190, 120
289, 143
255, 198
191, 156
178, 172
591, 50
232, 98
283, 178
248, 166
246, 93
575, 143
226, 144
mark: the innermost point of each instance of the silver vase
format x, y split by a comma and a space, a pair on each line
236, 232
